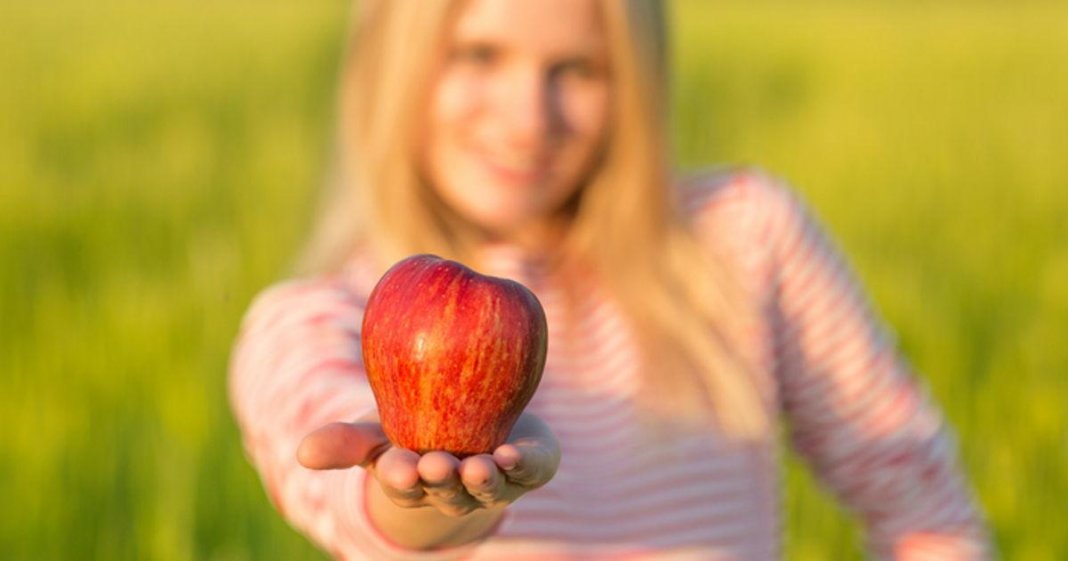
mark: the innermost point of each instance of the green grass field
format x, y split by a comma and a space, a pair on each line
158, 165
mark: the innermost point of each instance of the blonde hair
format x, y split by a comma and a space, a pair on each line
683, 305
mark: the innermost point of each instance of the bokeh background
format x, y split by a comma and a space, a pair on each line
159, 162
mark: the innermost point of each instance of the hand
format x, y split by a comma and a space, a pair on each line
454, 487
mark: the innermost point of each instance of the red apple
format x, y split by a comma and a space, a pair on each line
452, 356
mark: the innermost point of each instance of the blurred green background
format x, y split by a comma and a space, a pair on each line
158, 166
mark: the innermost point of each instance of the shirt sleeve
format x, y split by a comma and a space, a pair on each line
295, 367
856, 413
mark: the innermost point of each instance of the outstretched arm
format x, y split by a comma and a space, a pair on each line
297, 382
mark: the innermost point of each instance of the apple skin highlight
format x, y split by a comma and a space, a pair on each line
453, 356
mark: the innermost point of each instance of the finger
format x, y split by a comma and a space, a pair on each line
438, 470
342, 445
482, 479
528, 465
397, 473
441, 481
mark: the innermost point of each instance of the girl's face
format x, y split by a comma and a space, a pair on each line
517, 114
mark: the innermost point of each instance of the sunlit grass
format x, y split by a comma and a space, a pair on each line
157, 168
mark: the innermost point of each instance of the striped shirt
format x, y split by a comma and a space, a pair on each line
856, 414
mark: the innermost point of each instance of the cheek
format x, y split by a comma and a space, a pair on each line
587, 110
452, 104
452, 100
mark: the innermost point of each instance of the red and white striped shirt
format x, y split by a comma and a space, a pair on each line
855, 412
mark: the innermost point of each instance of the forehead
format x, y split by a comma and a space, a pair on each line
544, 24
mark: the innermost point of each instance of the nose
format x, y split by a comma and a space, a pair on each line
530, 109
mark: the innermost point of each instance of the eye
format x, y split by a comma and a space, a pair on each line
578, 68
478, 54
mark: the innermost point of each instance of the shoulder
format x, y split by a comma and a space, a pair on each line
735, 187
743, 202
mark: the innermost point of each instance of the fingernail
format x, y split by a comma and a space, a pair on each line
507, 462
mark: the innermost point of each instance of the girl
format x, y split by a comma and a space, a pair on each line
687, 316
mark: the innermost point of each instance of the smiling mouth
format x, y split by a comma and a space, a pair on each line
515, 169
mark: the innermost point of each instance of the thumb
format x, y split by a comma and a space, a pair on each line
527, 464
342, 445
